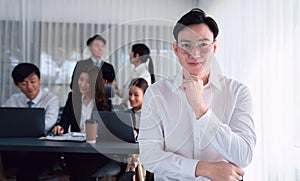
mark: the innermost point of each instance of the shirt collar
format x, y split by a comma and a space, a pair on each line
140, 67
91, 101
215, 72
96, 61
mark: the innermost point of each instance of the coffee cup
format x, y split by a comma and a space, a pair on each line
91, 130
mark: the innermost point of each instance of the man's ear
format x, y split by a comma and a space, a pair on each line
175, 48
16, 84
89, 48
215, 46
136, 55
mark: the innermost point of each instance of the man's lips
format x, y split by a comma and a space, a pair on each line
194, 63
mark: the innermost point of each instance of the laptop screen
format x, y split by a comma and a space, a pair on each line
22, 122
115, 126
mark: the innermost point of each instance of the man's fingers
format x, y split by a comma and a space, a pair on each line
240, 171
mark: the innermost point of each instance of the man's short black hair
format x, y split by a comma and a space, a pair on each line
23, 70
95, 37
195, 16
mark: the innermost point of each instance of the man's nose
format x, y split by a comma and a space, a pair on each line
195, 52
29, 86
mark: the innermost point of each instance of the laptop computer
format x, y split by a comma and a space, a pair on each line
22, 122
115, 126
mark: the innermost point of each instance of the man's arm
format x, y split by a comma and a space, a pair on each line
219, 171
153, 154
51, 112
235, 140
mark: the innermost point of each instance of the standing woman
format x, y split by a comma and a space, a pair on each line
143, 68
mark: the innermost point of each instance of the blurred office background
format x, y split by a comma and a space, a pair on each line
258, 44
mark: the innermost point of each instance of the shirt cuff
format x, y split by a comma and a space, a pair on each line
188, 168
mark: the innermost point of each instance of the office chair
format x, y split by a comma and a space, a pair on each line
108, 171
117, 108
110, 91
112, 168
133, 161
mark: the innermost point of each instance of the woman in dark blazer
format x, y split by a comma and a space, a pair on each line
82, 166
71, 116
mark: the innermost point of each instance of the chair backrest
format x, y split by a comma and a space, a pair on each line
60, 111
116, 108
110, 91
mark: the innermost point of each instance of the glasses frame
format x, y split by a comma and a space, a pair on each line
182, 51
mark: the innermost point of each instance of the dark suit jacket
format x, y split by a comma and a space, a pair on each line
71, 115
107, 70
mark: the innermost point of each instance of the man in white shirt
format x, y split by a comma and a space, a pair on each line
26, 77
197, 125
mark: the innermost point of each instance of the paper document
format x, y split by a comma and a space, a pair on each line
72, 136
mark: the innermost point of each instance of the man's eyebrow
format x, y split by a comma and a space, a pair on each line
204, 39
32, 75
185, 41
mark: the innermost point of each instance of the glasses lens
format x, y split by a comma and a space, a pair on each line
204, 46
185, 47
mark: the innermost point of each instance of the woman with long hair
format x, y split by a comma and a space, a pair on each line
88, 95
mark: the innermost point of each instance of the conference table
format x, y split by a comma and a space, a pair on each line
115, 149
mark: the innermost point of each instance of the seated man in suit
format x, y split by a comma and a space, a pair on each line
26, 77
96, 45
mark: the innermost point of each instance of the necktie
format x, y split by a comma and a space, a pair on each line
30, 103
98, 63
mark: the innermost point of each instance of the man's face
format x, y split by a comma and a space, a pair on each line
30, 86
134, 58
97, 49
195, 61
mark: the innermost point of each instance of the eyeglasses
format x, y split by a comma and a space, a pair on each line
186, 47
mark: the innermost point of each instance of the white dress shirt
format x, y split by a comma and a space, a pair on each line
86, 112
97, 63
141, 71
172, 140
46, 100
137, 116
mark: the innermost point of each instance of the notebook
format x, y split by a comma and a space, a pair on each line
71, 136
115, 126
22, 122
